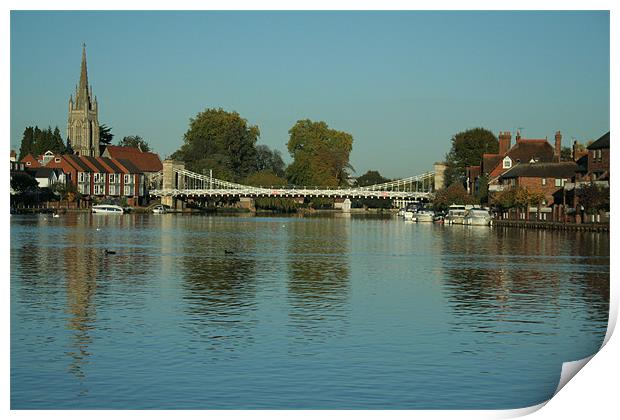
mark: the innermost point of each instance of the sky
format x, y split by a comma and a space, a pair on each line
402, 83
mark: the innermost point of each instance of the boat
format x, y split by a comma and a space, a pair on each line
477, 217
456, 213
107, 208
401, 213
159, 209
409, 215
425, 215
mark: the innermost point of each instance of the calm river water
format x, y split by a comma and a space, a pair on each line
212, 312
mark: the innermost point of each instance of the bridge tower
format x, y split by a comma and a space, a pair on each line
172, 181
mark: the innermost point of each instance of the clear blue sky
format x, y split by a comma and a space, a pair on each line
402, 83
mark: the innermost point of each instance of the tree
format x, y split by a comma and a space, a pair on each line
371, 178
27, 145
454, 194
320, 154
267, 178
593, 197
467, 150
135, 141
105, 135
37, 141
267, 159
22, 183
221, 141
566, 154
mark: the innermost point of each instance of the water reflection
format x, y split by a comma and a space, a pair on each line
318, 278
219, 266
520, 281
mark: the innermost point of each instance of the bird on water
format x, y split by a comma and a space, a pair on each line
228, 252
108, 252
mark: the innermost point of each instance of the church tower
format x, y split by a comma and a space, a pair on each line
83, 123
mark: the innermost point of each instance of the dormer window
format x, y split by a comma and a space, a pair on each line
57, 160
28, 163
507, 163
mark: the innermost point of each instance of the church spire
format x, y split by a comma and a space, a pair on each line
82, 97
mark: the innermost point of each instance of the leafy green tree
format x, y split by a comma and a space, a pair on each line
371, 178
221, 141
566, 154
22, 183
593, 198
267, 178
27, 145
467, 150
105, 135
320, 154
135, 141
454, 194
267, 159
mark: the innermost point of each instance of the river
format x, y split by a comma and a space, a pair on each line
334, 312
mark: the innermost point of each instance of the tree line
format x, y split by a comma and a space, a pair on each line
36, 141
225, 143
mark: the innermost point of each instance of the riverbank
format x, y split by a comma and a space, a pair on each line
528, 224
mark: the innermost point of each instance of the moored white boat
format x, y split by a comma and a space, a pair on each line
425, 216
159, 209
477, 217
107, 208
455, 215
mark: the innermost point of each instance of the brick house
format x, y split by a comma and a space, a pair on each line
548, 178
101, 177
493, 165
598, 159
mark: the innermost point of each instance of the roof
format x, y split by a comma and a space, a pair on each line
542, 170
43, 172
490, 161
526, 150
111, 164
144, 161
13, 154
77, 162
601, 143
130, 166
93, 161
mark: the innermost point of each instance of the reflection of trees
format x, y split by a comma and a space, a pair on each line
220, 288
318, 276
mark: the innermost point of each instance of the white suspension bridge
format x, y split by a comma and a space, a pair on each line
179, 183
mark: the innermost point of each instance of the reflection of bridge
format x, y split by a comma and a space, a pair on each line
176, 182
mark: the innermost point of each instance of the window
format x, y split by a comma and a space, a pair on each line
81, 177
28, 163
57, 160
507, 163
112, 189
99, 189
544, 181
559, 182
128, 190
128, 179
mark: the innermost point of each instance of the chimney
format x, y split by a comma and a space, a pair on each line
518, 136
574, 150
504, 142
558, 146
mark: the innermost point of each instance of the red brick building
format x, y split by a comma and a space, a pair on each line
598, 159
524, 150
102, 177
540, 177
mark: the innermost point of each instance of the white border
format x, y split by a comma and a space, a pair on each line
592, 394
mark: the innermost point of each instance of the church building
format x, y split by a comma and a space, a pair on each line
83, 122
